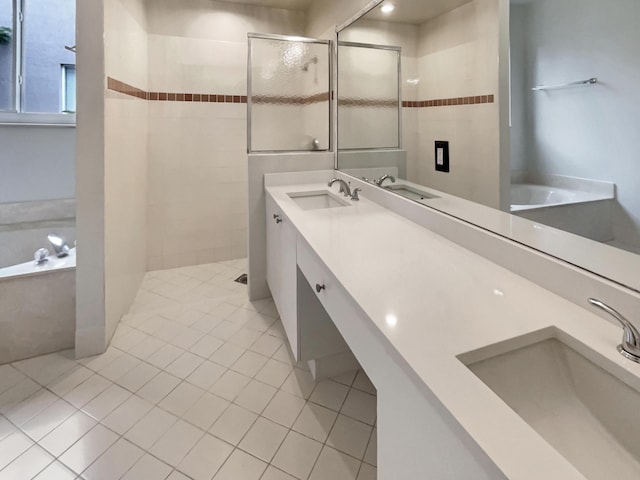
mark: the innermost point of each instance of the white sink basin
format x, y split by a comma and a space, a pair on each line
587, 414
410, 193
317, 200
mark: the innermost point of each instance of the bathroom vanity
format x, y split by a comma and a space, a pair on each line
450, 340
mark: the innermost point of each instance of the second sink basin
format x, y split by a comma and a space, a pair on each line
410, 193
316, 200
587, 414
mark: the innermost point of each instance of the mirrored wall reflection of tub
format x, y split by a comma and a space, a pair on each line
37, 302
580, 206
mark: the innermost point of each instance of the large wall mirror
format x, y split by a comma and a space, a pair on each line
520, 116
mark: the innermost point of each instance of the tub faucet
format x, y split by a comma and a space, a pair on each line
59, 245
344, 186
379, 181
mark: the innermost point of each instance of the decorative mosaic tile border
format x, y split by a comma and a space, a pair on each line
125, 88
392, 103
444, 102
279, 100
366, 102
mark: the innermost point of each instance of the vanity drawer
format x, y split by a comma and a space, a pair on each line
321, 280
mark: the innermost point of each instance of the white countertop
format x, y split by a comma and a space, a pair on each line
433, 300
614, 263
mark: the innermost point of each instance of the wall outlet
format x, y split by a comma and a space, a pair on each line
442, 156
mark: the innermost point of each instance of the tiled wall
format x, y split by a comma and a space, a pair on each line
323, 16
457, 59
197, 181
125, 159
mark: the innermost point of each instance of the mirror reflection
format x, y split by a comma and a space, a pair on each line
527, 106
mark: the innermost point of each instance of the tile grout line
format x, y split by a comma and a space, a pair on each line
331, 429
183, 379
232, 402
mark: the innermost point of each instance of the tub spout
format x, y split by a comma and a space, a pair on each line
59, 245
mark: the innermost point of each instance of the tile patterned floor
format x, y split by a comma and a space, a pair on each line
197, 384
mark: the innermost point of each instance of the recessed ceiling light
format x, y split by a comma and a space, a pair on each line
387, 8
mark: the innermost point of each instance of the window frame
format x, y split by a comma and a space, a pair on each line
14, 115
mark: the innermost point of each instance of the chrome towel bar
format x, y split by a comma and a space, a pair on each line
579, 83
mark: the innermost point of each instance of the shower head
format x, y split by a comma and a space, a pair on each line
305, 67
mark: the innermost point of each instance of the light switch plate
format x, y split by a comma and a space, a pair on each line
442, 156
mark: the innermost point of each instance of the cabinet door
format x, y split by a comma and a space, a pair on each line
288, 285
281, 270
273, 252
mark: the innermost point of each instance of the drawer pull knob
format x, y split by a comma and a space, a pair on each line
319, 287
277, 218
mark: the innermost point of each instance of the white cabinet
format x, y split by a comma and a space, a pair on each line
312, 335
281, 270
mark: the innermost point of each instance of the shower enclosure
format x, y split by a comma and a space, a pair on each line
289, 94
369, 97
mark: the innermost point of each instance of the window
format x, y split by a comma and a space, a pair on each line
37, 72
7, 48
68, 90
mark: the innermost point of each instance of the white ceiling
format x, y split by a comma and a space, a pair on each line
415, 12
288, 4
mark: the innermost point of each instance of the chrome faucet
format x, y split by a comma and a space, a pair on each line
344, 186
59, 245
379, 181
630, 346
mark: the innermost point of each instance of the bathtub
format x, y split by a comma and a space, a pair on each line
24, 227
528, 196
37, 308
587, 212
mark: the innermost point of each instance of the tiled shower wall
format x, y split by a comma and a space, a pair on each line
125, 159
197, 181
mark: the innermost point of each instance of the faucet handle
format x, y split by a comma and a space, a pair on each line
354, 194
630, 346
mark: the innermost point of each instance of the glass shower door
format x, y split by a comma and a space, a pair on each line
289, 94
369, 96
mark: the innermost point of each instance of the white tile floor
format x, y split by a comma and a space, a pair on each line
197, 384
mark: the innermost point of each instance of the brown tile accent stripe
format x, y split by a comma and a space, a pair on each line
121, 87
450, 101
275, 100
367, 102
